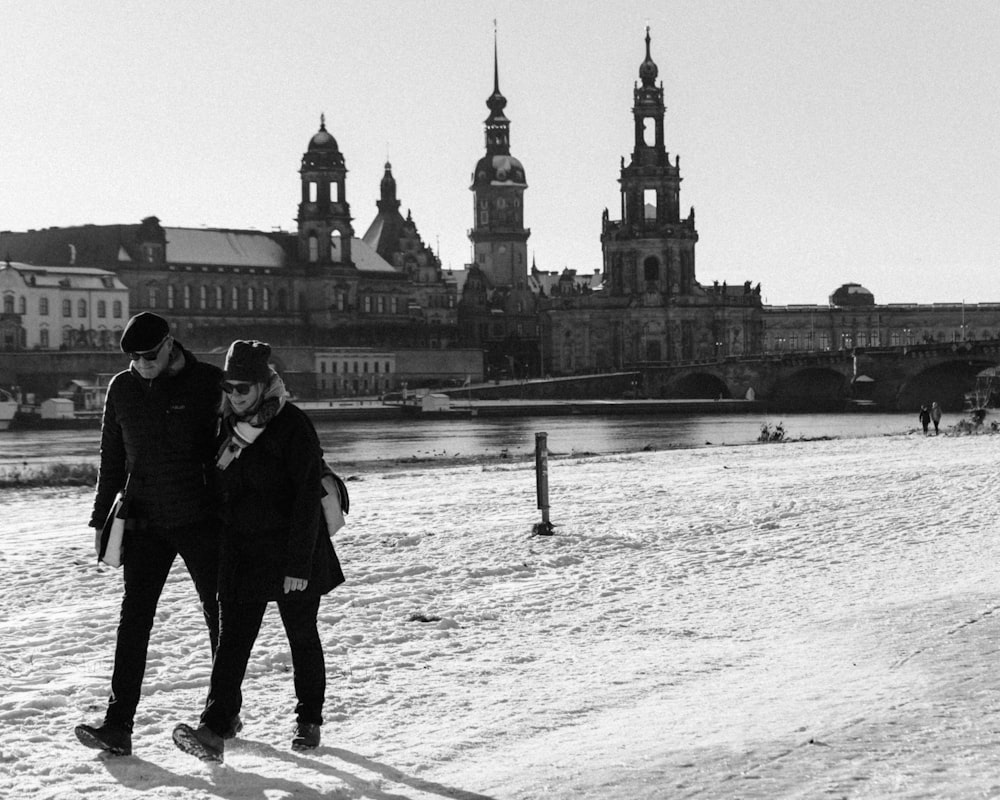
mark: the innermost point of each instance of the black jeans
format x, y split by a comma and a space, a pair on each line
240, 626
149, 555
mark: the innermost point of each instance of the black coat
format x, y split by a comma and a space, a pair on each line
163, 430
273, 526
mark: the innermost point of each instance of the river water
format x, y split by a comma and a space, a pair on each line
362, 442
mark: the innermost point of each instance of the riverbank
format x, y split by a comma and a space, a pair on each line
759, 621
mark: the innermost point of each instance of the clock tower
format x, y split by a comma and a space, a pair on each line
499, 238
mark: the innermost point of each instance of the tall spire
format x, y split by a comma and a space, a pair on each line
496, 101
497, 124
496, 62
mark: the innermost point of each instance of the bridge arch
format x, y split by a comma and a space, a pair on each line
700, 385
814, 388
945, 383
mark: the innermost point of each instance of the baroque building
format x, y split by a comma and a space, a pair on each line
317, 286
651, 307
498, 311
53, 308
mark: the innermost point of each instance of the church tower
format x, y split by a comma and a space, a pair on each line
499, 238
324, 214
651, 250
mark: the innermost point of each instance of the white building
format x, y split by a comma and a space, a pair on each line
353, 371
45, 308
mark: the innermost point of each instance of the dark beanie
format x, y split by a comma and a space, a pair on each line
246, 361
144, 332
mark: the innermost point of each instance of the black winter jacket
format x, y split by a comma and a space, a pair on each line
273, 526
164, 431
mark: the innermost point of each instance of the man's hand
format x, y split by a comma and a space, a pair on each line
295, 584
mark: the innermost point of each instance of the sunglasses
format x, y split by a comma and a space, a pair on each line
240, 388
149, 355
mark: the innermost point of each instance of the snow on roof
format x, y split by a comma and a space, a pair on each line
228, 248
65, 277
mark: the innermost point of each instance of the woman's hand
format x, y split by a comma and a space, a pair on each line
295, 584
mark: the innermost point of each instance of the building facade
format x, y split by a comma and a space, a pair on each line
498, 311
651, 307
319, 285
60, 308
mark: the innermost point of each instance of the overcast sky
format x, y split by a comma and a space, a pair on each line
821, 142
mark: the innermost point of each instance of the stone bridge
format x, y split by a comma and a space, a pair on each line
893, 378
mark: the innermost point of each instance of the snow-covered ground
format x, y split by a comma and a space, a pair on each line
797, 620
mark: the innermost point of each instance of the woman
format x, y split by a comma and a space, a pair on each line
274, 547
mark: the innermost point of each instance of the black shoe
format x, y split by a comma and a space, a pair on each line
235, 726
306, 736
202, 743
109, 738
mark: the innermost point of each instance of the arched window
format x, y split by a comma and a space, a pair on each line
235, 299
651, 269
187, 295
22, 305
265, 298
251, 298
648, 131
43, 337
336, 253
81, 308
154, 297
649, 203
202, 297
171, 296
313, 248
116, 309
8, 304
102, 309
220, 297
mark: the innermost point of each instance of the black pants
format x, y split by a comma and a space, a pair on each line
149, 555
240, 626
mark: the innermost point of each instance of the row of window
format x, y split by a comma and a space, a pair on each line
355, 386
67, 307
215, 297
251, 299
355, 367
72, 337
824, 341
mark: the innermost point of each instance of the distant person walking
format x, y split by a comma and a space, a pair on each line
936, 416
157, 433
275, 547
925, 418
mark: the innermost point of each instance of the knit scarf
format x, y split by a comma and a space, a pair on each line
241, 432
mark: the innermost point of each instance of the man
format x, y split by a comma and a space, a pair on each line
158, 431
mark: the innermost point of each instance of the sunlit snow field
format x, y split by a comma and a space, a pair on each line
785, 620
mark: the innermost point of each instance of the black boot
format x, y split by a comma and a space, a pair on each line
203, 743
306, 736
109, 738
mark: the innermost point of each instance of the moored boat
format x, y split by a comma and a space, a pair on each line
8, 408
